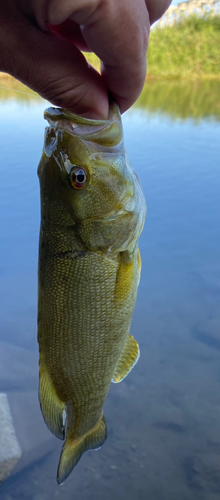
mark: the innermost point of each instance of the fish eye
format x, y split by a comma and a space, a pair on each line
77, 177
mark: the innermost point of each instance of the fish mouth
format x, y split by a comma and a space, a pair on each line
104, 132
56, 114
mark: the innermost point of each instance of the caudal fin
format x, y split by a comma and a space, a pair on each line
74, 448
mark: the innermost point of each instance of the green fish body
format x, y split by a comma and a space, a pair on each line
92, 214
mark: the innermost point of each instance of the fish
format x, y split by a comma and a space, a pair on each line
92, 214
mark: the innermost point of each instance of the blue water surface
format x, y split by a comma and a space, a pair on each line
164, 418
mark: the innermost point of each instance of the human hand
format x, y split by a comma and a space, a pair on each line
117, 31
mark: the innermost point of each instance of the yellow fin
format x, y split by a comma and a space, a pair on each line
129, 357
51, 406
139, 264
74, 448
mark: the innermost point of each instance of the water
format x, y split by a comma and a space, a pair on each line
164, 418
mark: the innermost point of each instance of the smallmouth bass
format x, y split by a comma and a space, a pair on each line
92, 214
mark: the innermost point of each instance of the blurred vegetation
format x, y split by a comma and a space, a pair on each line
11, 89
188, 49
92, 59
182, 99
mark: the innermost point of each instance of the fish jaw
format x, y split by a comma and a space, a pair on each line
103, 132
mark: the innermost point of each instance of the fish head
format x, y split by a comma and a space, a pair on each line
87, 178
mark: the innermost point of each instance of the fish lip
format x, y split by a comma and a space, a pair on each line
58, 114
103, 132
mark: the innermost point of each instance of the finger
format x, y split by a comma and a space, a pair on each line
157, 8
72, 32
117, 31
53, 12
119, 36
57, 70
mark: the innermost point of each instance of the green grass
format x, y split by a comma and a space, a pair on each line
189, 49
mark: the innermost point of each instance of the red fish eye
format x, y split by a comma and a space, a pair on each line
78, 177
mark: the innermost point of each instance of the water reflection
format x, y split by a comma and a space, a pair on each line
13, 90
174, 99
182, 99
164, 419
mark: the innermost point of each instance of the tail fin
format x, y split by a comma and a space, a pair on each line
74, 448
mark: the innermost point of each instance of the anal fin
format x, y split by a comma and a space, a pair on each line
51, 406
74, 448
127, 360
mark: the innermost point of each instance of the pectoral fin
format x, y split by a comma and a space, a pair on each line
51, 406
127, 360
